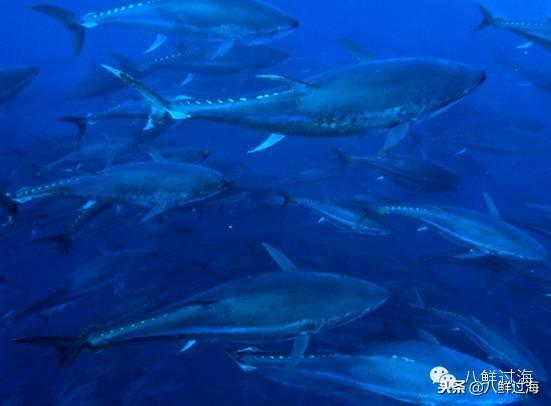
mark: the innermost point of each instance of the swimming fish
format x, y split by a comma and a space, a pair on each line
269, 307
483, 234
225, 21
398, 370
157, 186
539, 32
373, 96
419, 174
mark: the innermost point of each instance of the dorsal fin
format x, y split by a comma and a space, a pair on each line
492, 209
292, 83
358, 51
284, 263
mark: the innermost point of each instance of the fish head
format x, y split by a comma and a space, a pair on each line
463, 80
269, 22
359, 297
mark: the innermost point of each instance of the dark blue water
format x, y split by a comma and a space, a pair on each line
196, 248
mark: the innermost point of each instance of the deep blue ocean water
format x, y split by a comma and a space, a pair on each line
149, 266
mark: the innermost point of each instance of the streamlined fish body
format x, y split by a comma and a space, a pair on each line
239, 21
371, 96
13, 80
154, 185
261, 308
484, 234
537, 31
411, 172
400, 371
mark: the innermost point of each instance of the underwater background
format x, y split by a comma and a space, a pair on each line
496, 140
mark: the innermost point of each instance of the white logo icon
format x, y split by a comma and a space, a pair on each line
437, 373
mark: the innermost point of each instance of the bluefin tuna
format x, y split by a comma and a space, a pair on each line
419, 174
400, 370
499, 345
157, 186
225, 21
369, 97
14, 80
353, 218
537, 31
483, 234
269, 307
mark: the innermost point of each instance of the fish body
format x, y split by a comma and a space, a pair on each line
154, 185
351, 218
261, 308
483, 233
239, 21
537, 31
398, 370
411, 172
497, 344
13, 80
267, 307
363, 98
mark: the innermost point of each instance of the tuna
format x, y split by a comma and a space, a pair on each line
370, 97
225, 21
483, 234
269, 307
157, 186
398, 370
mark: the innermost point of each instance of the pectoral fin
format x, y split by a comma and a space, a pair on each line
284, 263
223, 49
268, 143
188, 345
292, 83
299, 348
394, 137
159, 40
491, 206
154, 212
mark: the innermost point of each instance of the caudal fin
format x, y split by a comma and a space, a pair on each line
160, 107
69, 20
487, 19
80, 122
10, 206
68, 347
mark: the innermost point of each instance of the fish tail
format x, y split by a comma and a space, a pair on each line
68, 347
80, 122
10, 206
160, 107
487, 19
343, 157
69, 20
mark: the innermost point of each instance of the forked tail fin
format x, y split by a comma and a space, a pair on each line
487, 19
80, 122
69, 20
160, 107
68, 347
